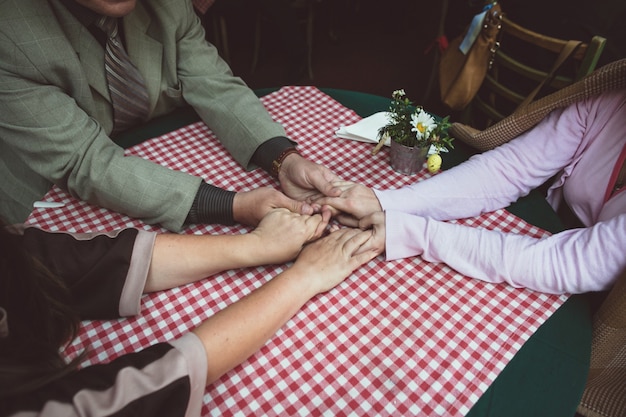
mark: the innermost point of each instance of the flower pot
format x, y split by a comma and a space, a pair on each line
406, 159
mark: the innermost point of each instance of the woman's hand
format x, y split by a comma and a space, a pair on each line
249, 207
376, 222
355, 202
233, 334
328, 261
282, 234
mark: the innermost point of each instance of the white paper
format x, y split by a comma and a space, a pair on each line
472, 32
365, 130
47, 204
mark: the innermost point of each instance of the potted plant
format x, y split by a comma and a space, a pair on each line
413, 134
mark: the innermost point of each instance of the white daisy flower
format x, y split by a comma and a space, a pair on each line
422, 124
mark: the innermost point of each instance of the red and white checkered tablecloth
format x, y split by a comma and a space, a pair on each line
396, 338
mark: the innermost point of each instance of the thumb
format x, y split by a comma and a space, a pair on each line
366, 222
324, 218
296, 206
348, 220
323, 180
328, 189
373, 220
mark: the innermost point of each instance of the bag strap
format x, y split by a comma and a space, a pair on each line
618, 178
566, 52
609, 77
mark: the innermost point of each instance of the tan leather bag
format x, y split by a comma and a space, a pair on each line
460, 75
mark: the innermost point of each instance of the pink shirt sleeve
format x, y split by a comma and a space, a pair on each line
573, 261
494, 179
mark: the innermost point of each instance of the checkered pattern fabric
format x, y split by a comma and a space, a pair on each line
404, 337
607, 78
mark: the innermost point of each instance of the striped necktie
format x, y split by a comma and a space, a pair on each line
128, 91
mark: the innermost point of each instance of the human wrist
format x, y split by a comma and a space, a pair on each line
211, 205
282, 161
269, 150
250, 249
303, 279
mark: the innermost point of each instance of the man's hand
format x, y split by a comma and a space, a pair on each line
304, 180
249, 207
354, 202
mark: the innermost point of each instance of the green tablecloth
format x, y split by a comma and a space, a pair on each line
547, 376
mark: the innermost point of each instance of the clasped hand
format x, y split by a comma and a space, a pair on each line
301, 181
312, 188
350, 203
357, 206
282, 235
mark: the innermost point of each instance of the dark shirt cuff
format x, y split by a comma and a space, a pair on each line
270, 150
212, 205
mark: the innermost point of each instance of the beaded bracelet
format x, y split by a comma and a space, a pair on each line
278, 162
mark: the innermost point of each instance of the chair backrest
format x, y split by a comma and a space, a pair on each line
523, 61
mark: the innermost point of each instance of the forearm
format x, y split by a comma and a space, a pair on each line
235, 333
556, 264
484, 183
181, 259
494, 179
92, 168
55, 139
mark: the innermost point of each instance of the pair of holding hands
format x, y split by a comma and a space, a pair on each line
301, 181
310, 188
354, 205
286, 222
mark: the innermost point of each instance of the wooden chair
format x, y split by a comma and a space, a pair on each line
525, 62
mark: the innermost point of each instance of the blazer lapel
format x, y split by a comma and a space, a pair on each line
91, 55
145, 51
90, 52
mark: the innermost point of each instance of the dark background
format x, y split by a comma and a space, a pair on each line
380, 46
